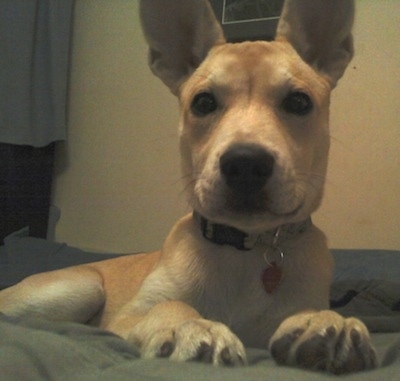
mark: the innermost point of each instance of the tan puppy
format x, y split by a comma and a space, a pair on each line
254, 141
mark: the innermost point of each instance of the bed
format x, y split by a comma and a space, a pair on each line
366, 284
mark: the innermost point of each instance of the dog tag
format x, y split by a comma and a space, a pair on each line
271, 278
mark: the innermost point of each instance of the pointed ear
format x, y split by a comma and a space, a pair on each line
179, 33
320, 31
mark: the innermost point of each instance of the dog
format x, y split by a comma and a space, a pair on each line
247, 267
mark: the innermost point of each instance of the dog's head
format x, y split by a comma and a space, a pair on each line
254, 130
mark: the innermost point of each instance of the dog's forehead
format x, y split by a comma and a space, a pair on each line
258, 63
247, 55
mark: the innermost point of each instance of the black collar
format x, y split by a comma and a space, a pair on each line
227, 235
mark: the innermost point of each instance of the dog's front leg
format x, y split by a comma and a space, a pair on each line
175, 330
323, 340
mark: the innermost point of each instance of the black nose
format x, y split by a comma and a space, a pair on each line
246, 168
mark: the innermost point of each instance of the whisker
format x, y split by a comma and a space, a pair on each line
306, 178
190, 183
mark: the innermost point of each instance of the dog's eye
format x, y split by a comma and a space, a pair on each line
204, 104
298, 103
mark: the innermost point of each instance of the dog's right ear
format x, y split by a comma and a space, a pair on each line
180, 33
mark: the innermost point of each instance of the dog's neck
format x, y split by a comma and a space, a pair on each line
228, 235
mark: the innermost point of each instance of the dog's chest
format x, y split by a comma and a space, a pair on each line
233, 292
235, 295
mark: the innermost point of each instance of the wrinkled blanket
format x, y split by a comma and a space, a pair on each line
376, 302
42, 350
367, 285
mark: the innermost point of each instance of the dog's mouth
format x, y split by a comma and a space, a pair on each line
292, 213
252, 213
261, 205
245, 204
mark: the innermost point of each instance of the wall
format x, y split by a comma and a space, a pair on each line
117, 178
362, 202
117, 184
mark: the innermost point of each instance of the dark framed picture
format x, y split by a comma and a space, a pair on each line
248, 19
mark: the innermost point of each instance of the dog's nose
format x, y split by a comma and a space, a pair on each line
246, 168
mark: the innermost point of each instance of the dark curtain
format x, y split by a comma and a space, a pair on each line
34, 66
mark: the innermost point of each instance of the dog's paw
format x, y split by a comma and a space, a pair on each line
196, 340
323, 341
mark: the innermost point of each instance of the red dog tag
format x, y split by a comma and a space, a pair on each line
271, 277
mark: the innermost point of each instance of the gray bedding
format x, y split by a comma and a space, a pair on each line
39, 350
42, 350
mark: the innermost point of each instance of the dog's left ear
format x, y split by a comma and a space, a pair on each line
180, 33
320, 31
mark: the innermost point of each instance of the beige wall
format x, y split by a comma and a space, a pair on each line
117, 178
